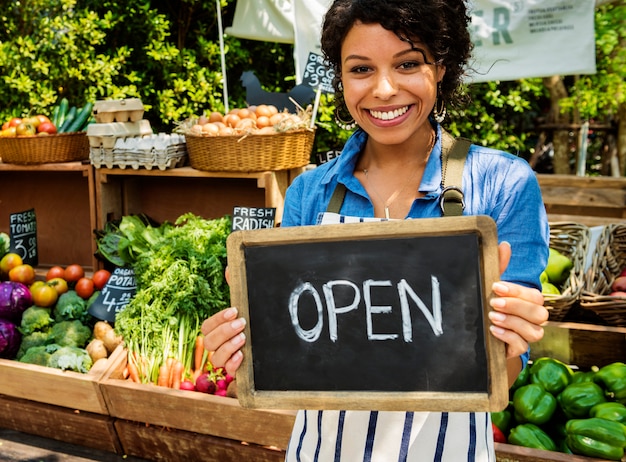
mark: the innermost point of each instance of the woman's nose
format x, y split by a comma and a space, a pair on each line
385, 86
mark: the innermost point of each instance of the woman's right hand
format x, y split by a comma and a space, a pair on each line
223, 335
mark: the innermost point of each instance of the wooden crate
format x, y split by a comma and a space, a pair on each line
58, 423
67, 389
582, 345
195, 412
164, 443
511, 453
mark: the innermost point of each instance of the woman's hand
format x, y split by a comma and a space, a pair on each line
223, 335
518, 315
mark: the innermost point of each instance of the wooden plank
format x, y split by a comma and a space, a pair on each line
59, 423
164, 443
587, 220
582, 345
511, 453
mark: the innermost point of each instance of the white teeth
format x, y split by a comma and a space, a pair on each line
389, 114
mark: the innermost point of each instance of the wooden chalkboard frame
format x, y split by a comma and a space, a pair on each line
495, 395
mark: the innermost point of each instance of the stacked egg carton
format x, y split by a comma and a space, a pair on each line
122, 138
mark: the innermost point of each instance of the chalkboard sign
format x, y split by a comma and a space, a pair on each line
23, 234
385, 315
318, 74
245, 218
115, 295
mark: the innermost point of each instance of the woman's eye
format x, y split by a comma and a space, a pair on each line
411, 65
359, 69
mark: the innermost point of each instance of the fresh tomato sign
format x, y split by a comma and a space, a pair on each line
23, 232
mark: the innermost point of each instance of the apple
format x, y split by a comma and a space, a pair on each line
558, 267
15, 121
619, 284
25, 129
618, 293
549, 288
623, 272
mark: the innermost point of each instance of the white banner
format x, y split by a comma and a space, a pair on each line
513, 39
516, 39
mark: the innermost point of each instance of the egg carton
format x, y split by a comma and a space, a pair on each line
162, 151
106, 134
118, 110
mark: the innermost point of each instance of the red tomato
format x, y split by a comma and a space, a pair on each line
47, 127
15, 121
58, 284
84, 288
44, 295
10, 261
22, 273
55, 272
74, 272
100, 278
42, 118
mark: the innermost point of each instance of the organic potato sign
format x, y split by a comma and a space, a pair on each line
388, 316
115, 295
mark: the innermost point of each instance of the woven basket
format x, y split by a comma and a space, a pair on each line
252, 153
62, 147
572, 240
609, 259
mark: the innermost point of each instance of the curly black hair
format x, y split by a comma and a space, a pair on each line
442, 25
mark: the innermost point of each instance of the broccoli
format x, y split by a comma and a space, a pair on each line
71, 306
35, 319
36, 355
32, 340
70, 333
71, 358
5, 244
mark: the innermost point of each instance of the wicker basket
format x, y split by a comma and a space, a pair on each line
572, 240
62, 147
609, 259
252, 153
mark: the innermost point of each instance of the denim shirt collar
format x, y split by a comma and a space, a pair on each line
343, 170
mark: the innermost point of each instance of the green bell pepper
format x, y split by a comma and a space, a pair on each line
531, 436
595, 437
609, 411
585, 376
533, 404
522, 379
577, 399
613, 378
502, 420
552, 374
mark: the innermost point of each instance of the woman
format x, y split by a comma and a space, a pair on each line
397, 64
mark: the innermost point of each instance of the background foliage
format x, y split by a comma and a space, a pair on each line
167, 53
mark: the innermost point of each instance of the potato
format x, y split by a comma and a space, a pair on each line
111, 340
96, 350
100, 329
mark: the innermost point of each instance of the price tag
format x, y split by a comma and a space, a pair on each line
23, 234
245, 218
318, 74
115, 295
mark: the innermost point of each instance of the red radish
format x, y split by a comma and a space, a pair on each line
187, 385
220, 392
204, 384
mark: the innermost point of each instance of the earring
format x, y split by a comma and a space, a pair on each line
439, 113
339, 105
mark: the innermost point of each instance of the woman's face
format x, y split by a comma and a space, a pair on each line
389, 87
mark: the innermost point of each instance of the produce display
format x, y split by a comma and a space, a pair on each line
555, 408
264, 119
179, 270
556, 272
64, 119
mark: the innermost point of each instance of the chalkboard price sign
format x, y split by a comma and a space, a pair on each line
384, 315
318, 74
115, 295
245, 218
23, 233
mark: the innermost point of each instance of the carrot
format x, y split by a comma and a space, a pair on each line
178, 369
133, 373
170, 366
125, 373
198, 353
164, 375
196, 373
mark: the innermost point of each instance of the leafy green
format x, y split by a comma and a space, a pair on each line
5, 244
180, 282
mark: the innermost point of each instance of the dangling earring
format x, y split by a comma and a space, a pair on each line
439, 113
339, 106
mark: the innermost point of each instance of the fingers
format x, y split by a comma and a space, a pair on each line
517, 316
504, 255
224, 336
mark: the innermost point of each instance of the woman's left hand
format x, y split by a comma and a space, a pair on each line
518, 312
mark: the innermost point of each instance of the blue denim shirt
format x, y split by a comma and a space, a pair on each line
495, 183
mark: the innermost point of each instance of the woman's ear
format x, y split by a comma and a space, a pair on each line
441, 71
